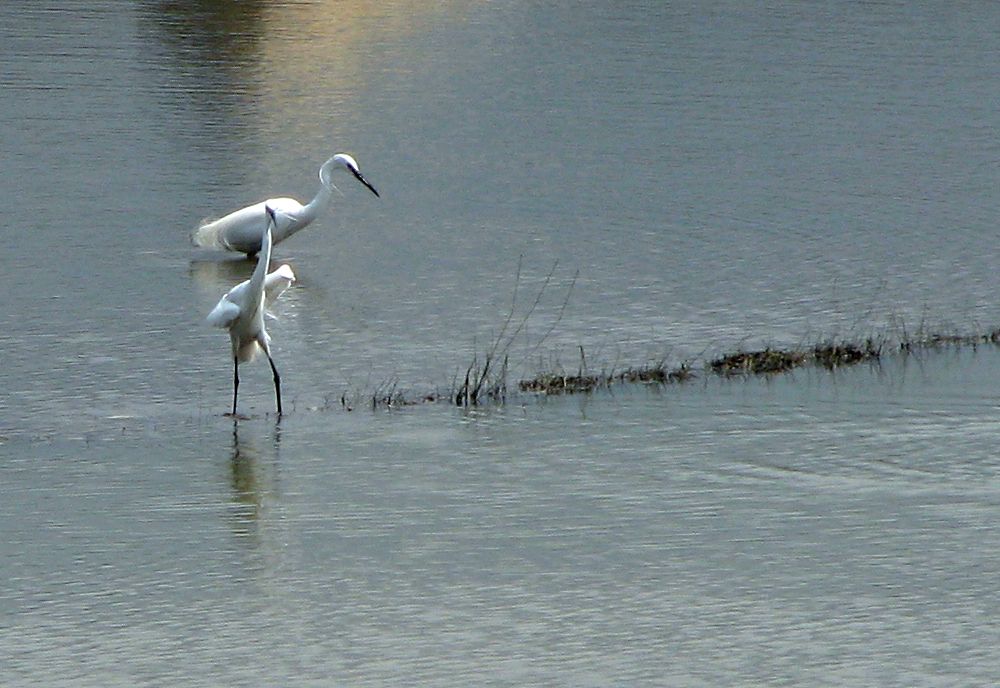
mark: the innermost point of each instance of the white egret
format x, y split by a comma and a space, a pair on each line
243, 308
242, 229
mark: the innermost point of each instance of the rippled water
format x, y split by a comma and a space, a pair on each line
683, 179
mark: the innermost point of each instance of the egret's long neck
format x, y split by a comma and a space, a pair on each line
319, 203
313, 209
263, 259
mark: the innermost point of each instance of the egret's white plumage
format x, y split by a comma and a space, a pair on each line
242, 229
242, 309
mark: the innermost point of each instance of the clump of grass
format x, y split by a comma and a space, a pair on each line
483, 382
938, 340
388, 395
487, 381
926, 338
657, 374
835, 354
549, 383
830, 355
583, 382
766, 361
385, 395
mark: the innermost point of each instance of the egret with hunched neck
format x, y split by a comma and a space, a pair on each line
242, 230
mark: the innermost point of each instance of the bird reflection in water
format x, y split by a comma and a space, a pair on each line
253, 482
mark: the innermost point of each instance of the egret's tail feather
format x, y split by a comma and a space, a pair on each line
247, 351
206, 234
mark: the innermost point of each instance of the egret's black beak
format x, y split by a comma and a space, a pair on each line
361, 178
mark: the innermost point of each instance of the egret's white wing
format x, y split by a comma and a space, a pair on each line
277, 282
224, 314
243, 229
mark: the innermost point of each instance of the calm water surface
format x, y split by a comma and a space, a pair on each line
694, 177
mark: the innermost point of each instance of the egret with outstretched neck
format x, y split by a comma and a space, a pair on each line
242, 230
243, 308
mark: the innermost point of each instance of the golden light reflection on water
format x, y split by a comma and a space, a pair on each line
323, 53
253, 68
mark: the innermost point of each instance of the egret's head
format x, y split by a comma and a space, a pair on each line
350, 165
347, 161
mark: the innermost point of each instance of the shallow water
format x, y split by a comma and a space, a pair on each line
817, 528
695, 179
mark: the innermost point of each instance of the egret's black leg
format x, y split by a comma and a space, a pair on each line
277, 382
236, 380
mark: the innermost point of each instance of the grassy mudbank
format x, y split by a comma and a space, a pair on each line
831, 355
485, 380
